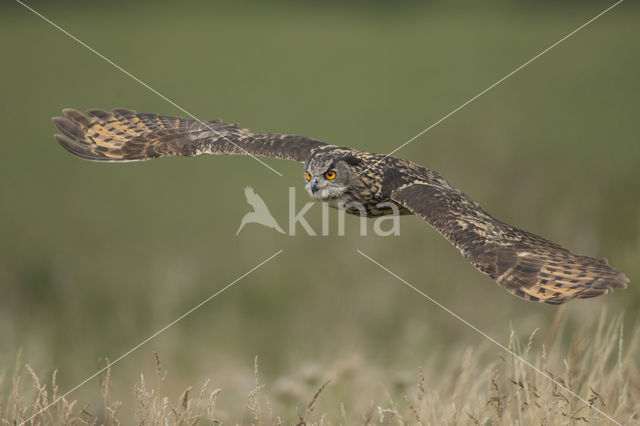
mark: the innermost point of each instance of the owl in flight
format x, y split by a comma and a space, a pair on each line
525, 264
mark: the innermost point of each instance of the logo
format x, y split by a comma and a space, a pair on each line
260, 214
384, 226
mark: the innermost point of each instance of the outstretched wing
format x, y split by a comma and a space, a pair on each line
525, 264
124, 135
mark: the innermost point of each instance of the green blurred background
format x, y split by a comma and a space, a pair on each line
96, 257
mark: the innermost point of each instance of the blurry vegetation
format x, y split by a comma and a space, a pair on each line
96, 257
599, 365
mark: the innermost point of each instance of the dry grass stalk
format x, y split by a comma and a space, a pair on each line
600, 365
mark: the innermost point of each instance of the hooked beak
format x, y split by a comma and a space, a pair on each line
314, 185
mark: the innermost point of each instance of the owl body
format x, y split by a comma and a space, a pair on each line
366, 184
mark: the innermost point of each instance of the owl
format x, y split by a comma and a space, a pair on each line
525, 264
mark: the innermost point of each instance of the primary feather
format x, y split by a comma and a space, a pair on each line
124, 135
526, 264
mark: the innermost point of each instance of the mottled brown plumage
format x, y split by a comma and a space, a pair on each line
527, 265
124, 135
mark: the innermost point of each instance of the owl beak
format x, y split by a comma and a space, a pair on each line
314, 185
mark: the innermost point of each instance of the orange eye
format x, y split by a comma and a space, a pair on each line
330, 175
307, 176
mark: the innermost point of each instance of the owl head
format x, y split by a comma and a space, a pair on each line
329, 175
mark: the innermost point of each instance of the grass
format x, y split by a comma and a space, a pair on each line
96, 257
600, 365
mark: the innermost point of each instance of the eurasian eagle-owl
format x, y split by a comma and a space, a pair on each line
526, 264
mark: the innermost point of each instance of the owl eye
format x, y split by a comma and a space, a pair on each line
307, 176
330, 175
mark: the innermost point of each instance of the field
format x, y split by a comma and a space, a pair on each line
529, 387
96, 258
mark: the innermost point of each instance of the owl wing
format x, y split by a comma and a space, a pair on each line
124, 135
526, 264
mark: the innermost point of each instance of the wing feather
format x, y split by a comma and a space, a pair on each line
527, 265
124, 135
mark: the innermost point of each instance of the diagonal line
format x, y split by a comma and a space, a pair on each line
150, 337
548, 376
495, 84
76, 39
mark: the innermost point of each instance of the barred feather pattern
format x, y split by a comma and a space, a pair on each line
124, 135
527, 265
